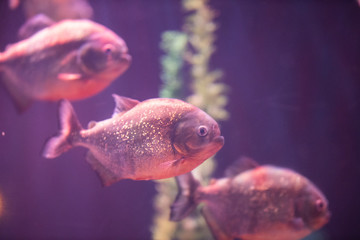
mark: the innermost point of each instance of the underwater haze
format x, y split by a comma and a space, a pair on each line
293, 71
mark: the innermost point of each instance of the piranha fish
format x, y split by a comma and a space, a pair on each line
56, 9
72, 59
265, 202
154, 139
1, 205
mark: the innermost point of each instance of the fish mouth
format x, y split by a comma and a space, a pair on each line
328, 215
320, 221
126, 57
219, 140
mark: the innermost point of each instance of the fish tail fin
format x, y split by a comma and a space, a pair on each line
185, 201
69, 128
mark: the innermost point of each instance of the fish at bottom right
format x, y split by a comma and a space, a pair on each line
254, 203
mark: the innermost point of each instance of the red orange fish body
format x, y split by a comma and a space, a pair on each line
263, 203
56, 9
154, 139
72, 59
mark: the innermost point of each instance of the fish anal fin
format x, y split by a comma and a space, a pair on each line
20, 99
34, 25
240, 165
123, 104
106, 176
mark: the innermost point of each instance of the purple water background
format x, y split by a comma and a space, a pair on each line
294, 72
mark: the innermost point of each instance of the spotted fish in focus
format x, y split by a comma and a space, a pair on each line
72, 59
154, 139
261, 203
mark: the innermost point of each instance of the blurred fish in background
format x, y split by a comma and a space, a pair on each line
1, 206
55, 9
154, 139
72, 59
254, 202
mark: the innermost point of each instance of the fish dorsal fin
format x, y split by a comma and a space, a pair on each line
240, 165
123, 104
13, 4
34, 25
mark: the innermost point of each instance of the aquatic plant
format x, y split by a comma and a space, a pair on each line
209, 93
174, 44
193, 46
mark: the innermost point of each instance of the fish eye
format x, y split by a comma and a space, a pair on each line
202, 131
108, 49
320, 205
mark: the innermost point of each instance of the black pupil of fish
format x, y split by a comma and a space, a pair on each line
202, 131
108, 51
320, 205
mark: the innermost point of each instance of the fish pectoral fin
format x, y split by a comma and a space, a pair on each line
297, 223
34, 25
107, 177
69, 76
123, 104
69, 70
172, 163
